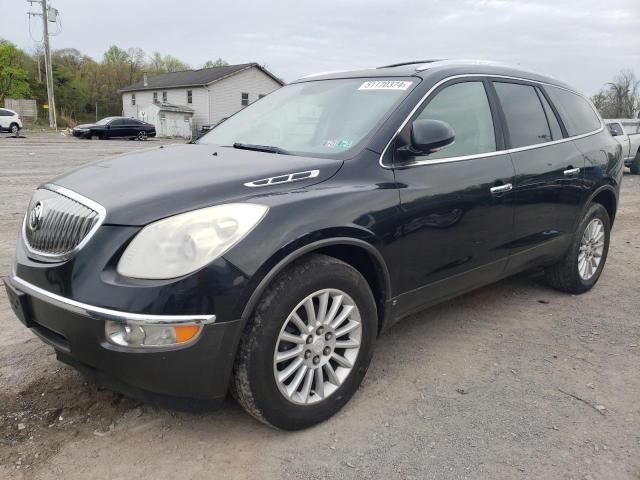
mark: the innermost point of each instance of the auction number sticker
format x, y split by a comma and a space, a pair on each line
385, 85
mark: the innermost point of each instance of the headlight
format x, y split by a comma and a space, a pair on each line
184, 243
149, 335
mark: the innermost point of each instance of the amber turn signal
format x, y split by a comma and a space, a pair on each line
186, 333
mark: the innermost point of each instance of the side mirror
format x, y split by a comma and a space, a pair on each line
613, 132
428, 136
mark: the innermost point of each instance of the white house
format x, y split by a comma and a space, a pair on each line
208, 95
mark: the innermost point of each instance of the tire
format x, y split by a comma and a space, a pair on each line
254, 384
142, 135
567, 275
635, 164
94, 136
14, 128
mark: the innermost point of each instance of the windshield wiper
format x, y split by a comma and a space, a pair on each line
261, 148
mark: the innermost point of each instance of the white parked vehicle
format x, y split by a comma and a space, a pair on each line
627, 132
10, 121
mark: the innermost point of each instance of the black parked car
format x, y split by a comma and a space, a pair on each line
116, 127
270, 255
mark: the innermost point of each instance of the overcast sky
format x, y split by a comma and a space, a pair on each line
583, 42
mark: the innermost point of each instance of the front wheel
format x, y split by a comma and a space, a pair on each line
142, 135
579, 270
308, 344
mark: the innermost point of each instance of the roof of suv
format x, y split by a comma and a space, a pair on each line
428, 68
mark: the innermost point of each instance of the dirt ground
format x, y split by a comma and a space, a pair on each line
511, 381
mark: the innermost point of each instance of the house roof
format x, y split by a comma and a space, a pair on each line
194, 78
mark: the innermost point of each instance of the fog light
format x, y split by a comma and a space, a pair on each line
149, 335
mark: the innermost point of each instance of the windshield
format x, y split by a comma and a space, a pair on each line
104, 121
319, 118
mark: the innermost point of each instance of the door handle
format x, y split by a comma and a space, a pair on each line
571, 171
507, 187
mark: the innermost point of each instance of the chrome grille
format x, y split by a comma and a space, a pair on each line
59, 222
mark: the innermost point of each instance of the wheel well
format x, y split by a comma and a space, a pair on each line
370, 269
607, 199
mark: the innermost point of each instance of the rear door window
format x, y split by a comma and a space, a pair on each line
465, 107
554, 124
526, 120
578, 115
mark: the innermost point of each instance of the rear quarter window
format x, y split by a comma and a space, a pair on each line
577, 113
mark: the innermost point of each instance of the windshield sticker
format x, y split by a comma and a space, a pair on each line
385, 85
337, 143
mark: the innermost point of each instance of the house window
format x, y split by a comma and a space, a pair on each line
164, 96
133, 99
244, 99
155, 97
189, 96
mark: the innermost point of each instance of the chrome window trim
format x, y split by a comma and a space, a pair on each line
481, 76
49, 257
99, 313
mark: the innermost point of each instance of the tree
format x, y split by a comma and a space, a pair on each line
164, 64
217, 63
115, 56
619, 98
14, 75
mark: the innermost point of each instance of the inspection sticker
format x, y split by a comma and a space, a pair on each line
385, 85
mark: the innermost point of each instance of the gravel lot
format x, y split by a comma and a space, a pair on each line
511, 381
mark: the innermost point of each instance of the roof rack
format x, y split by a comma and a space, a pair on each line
415, 62
317, 74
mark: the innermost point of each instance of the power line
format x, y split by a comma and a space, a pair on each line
46, 11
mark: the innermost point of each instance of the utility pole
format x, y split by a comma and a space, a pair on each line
47, 61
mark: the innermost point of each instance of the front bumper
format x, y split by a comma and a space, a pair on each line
189, 377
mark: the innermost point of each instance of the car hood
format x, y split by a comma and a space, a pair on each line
86, 125
140, 187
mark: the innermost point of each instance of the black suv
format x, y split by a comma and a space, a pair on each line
268, 256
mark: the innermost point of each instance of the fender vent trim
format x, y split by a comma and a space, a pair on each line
286, 178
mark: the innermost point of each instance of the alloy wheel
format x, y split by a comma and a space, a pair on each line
591, 249
317, 346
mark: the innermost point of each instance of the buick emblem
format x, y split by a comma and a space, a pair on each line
35, 216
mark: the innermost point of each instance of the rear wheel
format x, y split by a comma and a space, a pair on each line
308, 345
579, 270
635, 164
14, 128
